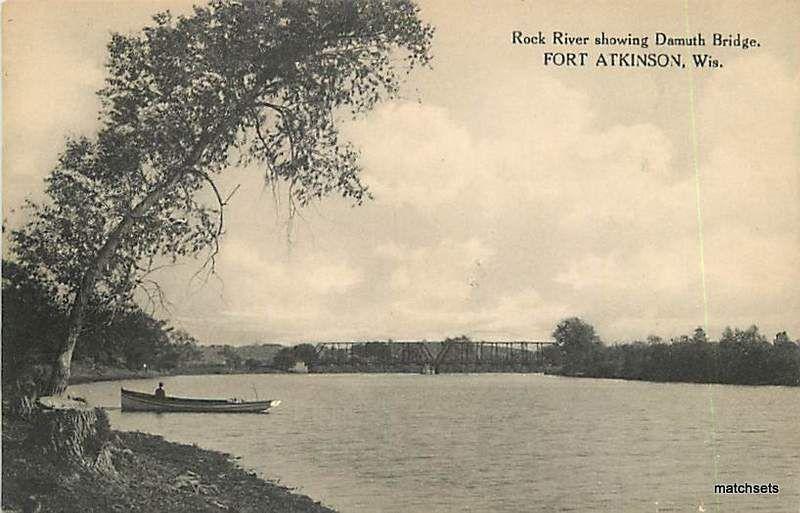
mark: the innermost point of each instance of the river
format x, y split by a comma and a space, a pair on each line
494, 442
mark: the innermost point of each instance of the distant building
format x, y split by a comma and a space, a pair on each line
299, 368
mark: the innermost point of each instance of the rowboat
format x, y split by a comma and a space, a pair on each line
138, 401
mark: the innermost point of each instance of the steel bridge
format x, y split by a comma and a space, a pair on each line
452, 355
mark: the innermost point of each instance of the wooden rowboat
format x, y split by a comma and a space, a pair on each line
138, 401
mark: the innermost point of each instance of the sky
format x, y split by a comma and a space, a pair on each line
507, 194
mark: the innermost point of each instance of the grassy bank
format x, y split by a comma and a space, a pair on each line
153, 475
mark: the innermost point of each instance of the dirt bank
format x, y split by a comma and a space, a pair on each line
153, 475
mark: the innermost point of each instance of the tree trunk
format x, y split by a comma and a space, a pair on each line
59, 378
61, 365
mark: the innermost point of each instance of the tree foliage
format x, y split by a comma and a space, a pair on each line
34, 326
287, 357
236, 83
578, 342
740, 357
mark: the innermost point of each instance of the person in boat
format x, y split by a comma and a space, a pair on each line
160, 393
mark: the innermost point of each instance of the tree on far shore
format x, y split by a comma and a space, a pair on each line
287, 357
578, 342
742, 357
236, 83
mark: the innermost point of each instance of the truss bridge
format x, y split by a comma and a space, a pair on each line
451, 355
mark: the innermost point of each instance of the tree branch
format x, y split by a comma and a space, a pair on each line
286, 119
211, 261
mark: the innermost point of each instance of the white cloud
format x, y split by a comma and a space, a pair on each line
414, 154
512, 196
444, 277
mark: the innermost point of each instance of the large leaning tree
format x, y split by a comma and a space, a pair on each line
236, 83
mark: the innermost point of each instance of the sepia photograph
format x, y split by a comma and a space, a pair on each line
400, 256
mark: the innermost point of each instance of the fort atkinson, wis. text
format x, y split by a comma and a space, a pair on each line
564, 49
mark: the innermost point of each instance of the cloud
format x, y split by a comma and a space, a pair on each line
608, 219
442, 277
509, 197
520, 316
416, 155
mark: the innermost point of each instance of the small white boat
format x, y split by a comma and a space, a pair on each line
138, 401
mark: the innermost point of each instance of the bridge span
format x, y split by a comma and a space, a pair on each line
451, 355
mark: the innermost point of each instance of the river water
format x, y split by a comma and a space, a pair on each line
495, 442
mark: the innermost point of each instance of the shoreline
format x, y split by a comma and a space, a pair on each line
667, 382
83, 375
152, 474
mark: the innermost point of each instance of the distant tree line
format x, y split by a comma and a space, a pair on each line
743, 357
288, 357
34, 323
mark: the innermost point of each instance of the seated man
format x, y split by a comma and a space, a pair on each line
160, 393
